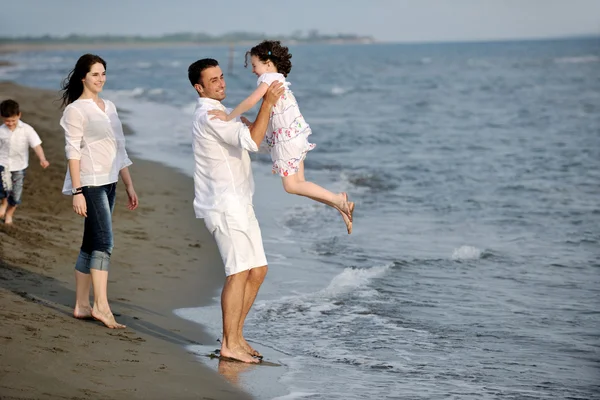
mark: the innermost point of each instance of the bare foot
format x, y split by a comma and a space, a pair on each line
250, 350
347, 220
351, 207
239, 354
347, 213
349, 223
8, 220
344, 205
107, 319
82, 312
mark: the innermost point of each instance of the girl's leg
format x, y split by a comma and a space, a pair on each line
347, 220
296, 184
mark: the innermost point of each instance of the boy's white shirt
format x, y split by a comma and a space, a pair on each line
14, 146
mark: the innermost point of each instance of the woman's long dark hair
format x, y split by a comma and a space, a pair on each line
72, 86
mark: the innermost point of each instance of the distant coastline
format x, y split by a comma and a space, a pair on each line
47, 42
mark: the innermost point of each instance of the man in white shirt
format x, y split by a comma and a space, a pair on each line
223, 188
16, 137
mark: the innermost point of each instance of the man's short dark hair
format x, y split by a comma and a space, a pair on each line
195, 70
9, 108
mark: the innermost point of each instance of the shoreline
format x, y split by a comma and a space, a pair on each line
174, 264
23, 47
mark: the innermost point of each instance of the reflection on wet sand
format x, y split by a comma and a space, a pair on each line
231, 370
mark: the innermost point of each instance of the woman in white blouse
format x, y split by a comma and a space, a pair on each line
95, 148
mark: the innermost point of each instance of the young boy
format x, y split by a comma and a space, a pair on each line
15, 139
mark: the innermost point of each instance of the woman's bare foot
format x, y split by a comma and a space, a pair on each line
107, 319
82, 312
250, 350
239, 354
8, 220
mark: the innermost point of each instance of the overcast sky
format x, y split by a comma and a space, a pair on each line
386, 20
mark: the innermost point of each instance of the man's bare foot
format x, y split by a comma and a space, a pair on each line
107, 319
239, 354
8, 220
82, 312
250, 350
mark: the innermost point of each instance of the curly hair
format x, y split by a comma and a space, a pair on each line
272, 50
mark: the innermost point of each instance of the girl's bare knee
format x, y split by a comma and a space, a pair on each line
289, 185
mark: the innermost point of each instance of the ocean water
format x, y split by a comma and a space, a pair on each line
473, 271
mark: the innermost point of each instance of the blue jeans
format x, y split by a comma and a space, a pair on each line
16, 192
97, 243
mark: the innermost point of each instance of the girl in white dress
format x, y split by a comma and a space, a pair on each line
287, 134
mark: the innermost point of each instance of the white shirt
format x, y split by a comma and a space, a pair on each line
222, 173
270, 77
95, 138
14, 146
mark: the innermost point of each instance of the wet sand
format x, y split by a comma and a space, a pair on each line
163, 259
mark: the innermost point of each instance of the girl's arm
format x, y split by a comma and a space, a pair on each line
245, 105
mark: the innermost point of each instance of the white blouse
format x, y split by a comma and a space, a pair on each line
95, 138
270, 77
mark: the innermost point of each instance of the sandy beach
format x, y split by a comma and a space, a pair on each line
163, 259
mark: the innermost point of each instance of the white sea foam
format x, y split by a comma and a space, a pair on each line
336, 90
577, 60
295, 395
352, 278
116, 95
466, 253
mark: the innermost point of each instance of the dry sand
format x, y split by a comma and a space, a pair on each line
163, 259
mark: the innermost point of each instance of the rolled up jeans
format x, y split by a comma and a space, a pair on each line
97, 244
11, 185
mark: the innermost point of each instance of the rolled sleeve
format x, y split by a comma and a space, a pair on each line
234, 133
33, 138
72, 123
125, 160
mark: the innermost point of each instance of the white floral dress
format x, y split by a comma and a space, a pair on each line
287, 134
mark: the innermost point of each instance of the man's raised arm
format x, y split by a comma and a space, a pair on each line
259, 128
